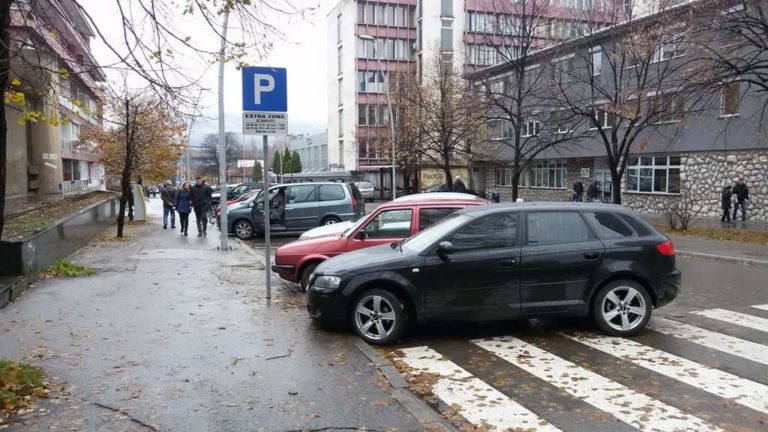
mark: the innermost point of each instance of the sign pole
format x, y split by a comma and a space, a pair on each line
223, 143
267, 245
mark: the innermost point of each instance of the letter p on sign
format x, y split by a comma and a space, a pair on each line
268, 85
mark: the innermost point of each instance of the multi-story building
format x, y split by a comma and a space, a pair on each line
313, 151
52, 65
369, 39
694, 133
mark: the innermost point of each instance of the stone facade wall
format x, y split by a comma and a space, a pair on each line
702, 175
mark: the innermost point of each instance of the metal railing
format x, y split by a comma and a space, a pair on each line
70, 186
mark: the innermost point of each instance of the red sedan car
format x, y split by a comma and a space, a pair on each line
391, 222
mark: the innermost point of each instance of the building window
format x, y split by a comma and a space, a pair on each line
446, 34
531, 128
597, 61
372, 115
654, 174
603, 118
670, 45
504, 177
501, 129
446, 8
371, 82
548, 174
732, 24
562, 122
379, 17
730, 99
562, 70
668, 107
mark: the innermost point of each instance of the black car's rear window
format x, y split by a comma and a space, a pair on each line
640, 227
608, 226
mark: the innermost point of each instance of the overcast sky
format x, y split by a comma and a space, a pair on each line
302, 53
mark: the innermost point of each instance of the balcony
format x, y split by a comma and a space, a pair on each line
74, 149
79, 186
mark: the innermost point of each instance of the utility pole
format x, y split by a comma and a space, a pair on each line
222, 140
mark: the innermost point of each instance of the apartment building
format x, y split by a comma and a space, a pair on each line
369, 39
699, 133
54, 68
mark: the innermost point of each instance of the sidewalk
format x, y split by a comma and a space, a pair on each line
173, 335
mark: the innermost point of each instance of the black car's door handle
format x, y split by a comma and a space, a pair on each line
591, 255
508, 262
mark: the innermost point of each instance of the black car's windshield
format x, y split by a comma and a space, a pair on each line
424, 239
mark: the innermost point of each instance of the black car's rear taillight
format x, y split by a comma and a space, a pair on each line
667, 248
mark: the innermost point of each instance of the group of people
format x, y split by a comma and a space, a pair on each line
593, 192
741, 192
185, 200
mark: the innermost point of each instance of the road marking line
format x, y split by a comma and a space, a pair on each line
633, 408
478, 403
716, 341
736, 318
763, 307
743, 391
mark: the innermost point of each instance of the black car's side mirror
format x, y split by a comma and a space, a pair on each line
444, 249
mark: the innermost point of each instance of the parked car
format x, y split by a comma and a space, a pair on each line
391, 222
236, 190
240, 219
331, 230
503, 261
366, 190
437, 188
236, 202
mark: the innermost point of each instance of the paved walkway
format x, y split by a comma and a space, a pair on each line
173, 335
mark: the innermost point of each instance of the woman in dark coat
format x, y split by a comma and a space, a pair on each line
184, 205
726, 204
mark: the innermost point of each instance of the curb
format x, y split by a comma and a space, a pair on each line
723, 258
414, 405
250, 251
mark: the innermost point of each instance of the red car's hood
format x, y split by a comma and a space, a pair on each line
321, 245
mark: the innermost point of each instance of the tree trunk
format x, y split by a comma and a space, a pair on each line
5, 58
616, 186
448, 178
515, 185
125, 180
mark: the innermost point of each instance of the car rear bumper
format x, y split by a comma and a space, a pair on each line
327, 308
669, 287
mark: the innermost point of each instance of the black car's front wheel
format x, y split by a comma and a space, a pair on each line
622, 308
379, 317
305, 274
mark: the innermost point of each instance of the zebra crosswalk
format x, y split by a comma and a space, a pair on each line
644, 383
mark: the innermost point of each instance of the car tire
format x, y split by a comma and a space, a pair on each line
330, 220
622, 308
243, 229
378, 327
305, 274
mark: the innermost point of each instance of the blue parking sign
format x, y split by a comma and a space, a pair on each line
265, 89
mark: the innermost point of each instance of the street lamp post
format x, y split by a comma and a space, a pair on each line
389, 108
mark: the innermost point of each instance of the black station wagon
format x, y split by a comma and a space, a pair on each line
499, 262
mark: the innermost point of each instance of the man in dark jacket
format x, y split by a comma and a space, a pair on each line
201, 200
359, 201
578, 191
458, 185
168, 195
741, 192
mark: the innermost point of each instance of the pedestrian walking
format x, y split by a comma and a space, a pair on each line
359, 201
201, 200
741, 191
725, 197
458, 185
578, 191
593, 192
183, 204
168, 195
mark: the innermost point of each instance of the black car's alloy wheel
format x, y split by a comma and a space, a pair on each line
622, 308
243, 229
379, 317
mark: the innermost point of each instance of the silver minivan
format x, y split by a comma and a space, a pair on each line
307, 205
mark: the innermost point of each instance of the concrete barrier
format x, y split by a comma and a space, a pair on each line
38, 251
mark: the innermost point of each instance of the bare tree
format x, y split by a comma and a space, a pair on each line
152, 43
628, 81
449, 115
210, 152
408, 130
517, 102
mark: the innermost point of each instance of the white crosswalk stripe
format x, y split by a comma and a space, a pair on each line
743, 391
477, 402
710, 339
737, 318
633, 408
762, 307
